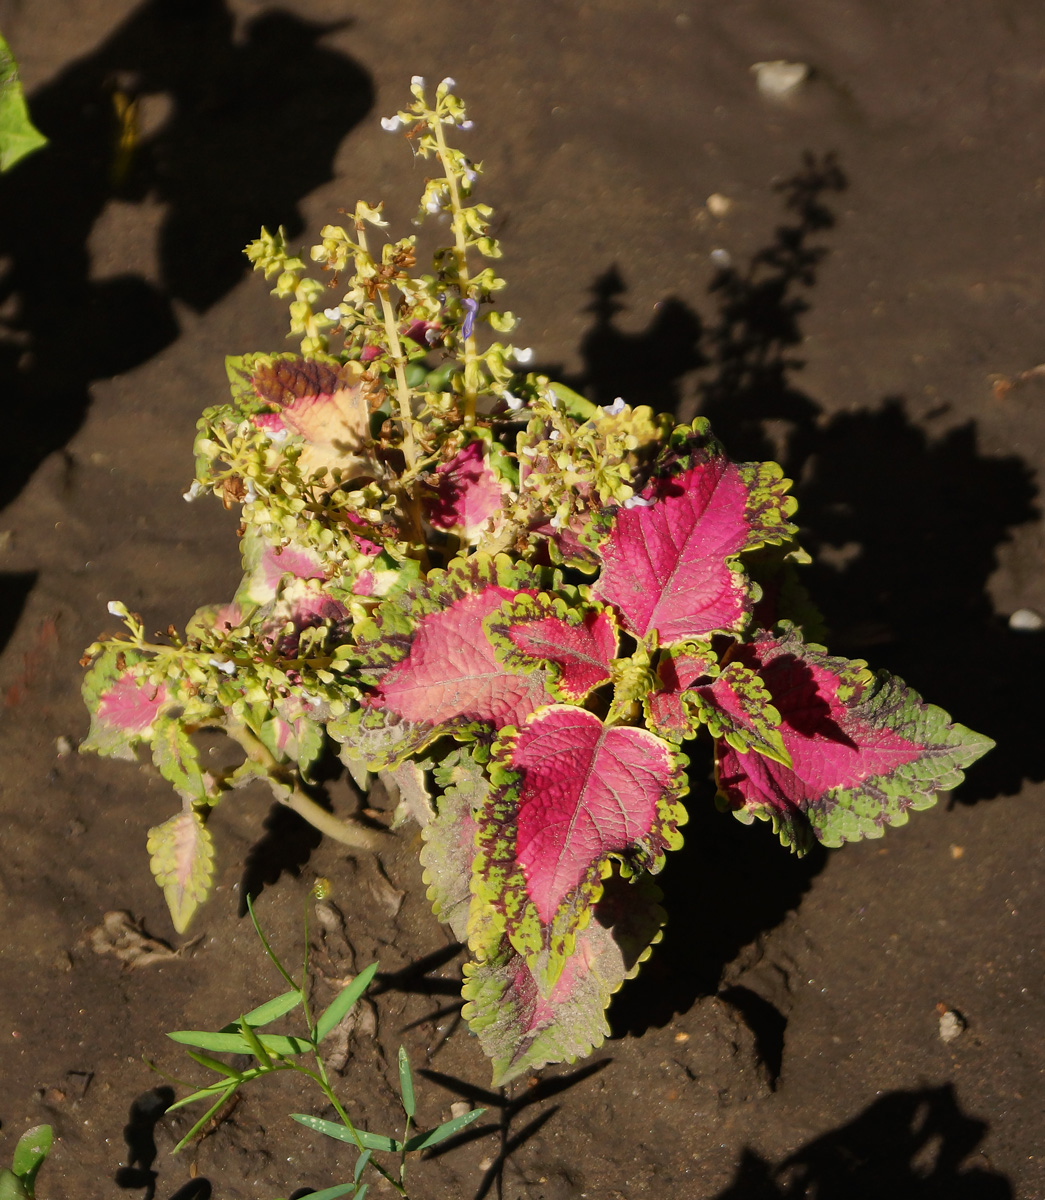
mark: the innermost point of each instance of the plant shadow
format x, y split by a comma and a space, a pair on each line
912, 1144
904, 529
175, 111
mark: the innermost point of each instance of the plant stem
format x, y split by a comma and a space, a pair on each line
395, 349
463, 276
287, 791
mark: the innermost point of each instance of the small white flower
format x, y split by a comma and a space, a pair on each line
616, 408
223, 665
470, 175
467, 125
513, 402
194, 492
524, 355
554, 436
417, 81
551, 399
434, 205
391, 124
251, 493
449, 82
332, 314
432, 335
556, 522
277, 436
637, 502
527, 451
116, 609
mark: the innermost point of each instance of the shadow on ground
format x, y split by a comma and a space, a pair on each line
221, 129
909, 1144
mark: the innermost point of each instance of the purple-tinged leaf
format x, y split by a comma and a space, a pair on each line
671, 560
432, 668
465, 493
864, 749
572, 792
182, 862
519, 1028
580, 644
123, 703
320, 400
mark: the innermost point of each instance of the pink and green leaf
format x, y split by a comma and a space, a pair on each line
182, 863
865, 750
432, 669
665, 707
572, 793
522, 1029
671, 561
578, 645
737, 707
123, 703
465, 492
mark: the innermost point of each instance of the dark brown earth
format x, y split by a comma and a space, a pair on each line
884, 264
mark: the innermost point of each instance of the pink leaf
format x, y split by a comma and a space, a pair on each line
671, 566
573, 792
451, 671
132, 705
466, 492
432, 667
581, 644
864, 749
678, 669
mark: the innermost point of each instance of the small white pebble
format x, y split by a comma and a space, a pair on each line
718, 205
459, 1108
1026, 620
778, 79
952, 1025
63, 746
721, 258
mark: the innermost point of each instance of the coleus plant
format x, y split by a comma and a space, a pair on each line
514, 605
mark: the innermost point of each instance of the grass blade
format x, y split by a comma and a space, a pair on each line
422, 1141
406, 1084
361, 1163
371, 1141
344, 1001
256, 1048
278, 1006
236, 1043
331, 1193
205, 1118
214, 1064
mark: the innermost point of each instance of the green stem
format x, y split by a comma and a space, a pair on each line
463, 276
287, 790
